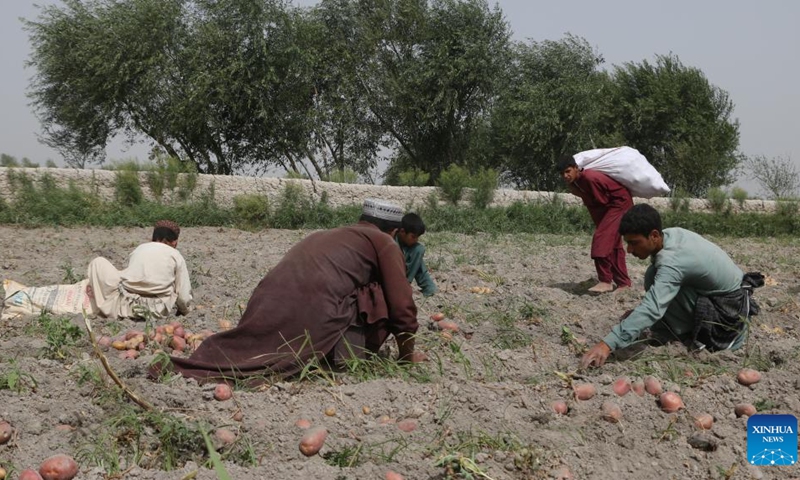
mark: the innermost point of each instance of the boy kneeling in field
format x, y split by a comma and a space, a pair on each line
412, 227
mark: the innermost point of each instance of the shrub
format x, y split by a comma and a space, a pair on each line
740, 195
414, 177
127, 190
294, 209
50, 164
484, 184
250, 210
679, 201
8, 161
294, 175
348, 175
718, 200
452, 183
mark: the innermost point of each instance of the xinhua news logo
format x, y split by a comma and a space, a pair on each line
772, 440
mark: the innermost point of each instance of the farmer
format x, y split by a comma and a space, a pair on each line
155, 281
336, 295
607, 200
694, 291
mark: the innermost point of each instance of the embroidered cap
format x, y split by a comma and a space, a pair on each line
382, 210
170, 225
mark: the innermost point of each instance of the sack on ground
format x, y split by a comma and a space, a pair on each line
627, 166
20, 300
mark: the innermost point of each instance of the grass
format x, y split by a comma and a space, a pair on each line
14, 379
42, 202
61, 335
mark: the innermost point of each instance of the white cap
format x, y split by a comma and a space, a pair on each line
382, 210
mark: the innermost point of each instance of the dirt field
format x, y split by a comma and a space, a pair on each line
485, 395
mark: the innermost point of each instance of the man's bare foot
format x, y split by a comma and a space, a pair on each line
602, 287
622, 288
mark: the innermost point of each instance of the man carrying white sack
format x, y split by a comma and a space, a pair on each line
155, 281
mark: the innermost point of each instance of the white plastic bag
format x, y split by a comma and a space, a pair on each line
56, 299
627, 166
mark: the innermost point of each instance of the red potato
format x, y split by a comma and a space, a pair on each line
58, 467
622, 386
179, 331
584, 391
652, 386
744, 409
160, 329
448, 325
238, 416
560, 407
670, 402
6, 432
178, 343
222, 392
133, 334
748, 376
129, 354
638, 387
175, 324
223, 437
703, 421
303, 423
407, 425
437, 317
134, 342
29, 475
390, 475
611, 412
104, 342
313, 440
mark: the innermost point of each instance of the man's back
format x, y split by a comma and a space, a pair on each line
701, 264
152, 269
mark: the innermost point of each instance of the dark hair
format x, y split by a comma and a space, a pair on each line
412, 223
564, 162
640, 220
385, 226
164, 233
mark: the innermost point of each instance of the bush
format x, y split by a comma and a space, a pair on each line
718, 200
127, 190
679, 201
452, 183
293, 175
348, 175
294, 209
251, 211
414, 177
170, 174
740, 195
484, 184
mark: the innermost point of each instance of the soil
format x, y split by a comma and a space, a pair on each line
484, 397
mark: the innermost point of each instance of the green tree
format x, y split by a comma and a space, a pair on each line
432, 75
549, 106
677, 119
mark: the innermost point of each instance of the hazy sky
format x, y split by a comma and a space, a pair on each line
750, 49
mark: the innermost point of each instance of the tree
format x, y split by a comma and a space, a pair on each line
432, 75
549, 107
677, 119
778, 176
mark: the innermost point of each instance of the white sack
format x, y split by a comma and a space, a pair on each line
627, 166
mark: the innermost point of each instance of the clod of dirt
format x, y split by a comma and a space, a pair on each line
703, 441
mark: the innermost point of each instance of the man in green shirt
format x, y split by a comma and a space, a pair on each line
695, 293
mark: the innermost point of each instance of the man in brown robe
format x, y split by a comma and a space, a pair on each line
607, 200
335, 295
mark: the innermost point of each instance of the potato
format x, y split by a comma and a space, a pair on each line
744, 409
670, 402
447, 325
652, 386
223, 438
303, 423
169, 330
129, 354
560, 407
584, 391
161, 329
238, 416
3, 473
622, 386
29, 475
703, 421
133, 342
179, 331
225, 324
611, 412
330, 411
313, 440
119, 345
437, 317
390, 475
178, 343
133, 334
638, 387
58, 467
104, 342
385, 420
407, 425
222, 392
748, 376
365, 410
6, 432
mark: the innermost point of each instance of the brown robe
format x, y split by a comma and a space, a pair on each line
345, 281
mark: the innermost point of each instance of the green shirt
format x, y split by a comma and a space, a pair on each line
687, 264
416, 269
